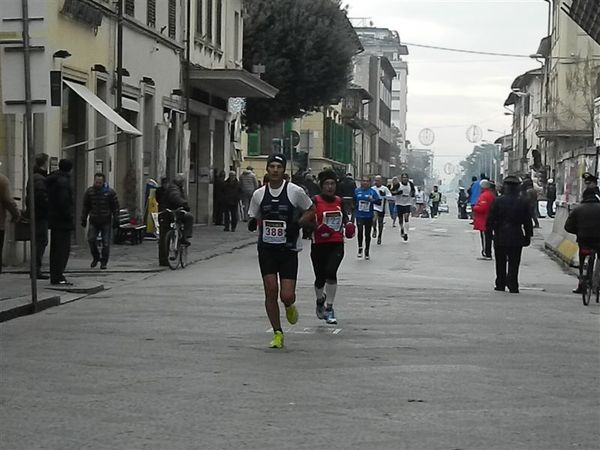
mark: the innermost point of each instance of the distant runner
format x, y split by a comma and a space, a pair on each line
365, 197
278, 210
404, 194
384, 194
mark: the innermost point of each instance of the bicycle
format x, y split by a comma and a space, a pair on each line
591, 276
177, 250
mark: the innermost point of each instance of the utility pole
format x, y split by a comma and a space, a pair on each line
119, 56
30, 153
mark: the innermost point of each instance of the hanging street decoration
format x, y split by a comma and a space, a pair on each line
426, 137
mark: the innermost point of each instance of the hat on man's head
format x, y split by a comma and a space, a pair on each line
512, 179
589, 178
278, 158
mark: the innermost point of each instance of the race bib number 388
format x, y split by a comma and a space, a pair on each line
274, 232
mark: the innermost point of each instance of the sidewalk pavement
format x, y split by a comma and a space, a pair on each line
127, 263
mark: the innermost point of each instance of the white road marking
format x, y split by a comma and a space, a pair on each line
440, 230
308, 330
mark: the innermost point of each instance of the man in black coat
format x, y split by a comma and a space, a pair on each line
101, 204
584, 222
346, 188
550, 197
510, 222
60, 219
40, 199
231, 201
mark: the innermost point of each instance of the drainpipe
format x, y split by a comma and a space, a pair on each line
30, 153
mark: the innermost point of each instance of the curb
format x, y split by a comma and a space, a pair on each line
27, 309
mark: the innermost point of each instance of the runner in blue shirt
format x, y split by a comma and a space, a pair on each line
365, 197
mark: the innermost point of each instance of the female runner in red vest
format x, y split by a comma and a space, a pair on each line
327, 251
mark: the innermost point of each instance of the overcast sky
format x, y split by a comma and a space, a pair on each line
450, 91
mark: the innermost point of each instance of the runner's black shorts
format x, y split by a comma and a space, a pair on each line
278, 261
402, 209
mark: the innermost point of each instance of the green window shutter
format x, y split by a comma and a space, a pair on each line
254, 144
288, 126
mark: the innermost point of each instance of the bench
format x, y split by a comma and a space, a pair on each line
128, 230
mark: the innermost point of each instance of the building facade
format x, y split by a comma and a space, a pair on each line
74, 60
385, 42
572, 81
526, 100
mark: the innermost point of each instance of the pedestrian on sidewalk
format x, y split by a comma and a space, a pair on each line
584, 222
278, 210
330, 224
481, 211
101, 205
218, 210
40, 200
175, 199
7, 204
365, 198
550, 197
60, 219
311, 187
436, 198
591, 181
248, 184
531, 196
346, 188
231, 201
510, 222
463, 200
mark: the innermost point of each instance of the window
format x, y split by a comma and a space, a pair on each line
236, 41
209, 14
219, 22
130, 7
151, 13
172, 19
199, 17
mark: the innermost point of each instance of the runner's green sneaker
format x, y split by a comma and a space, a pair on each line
277, 341
291, 312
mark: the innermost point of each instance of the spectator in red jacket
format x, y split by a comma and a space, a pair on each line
481, 210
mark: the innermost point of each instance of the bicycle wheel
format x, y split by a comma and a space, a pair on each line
588, 271
183, 256
596, 280
172, 249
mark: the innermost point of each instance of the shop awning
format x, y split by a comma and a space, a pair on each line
227, 83
95, 102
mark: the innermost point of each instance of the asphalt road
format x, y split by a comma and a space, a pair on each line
425, 356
